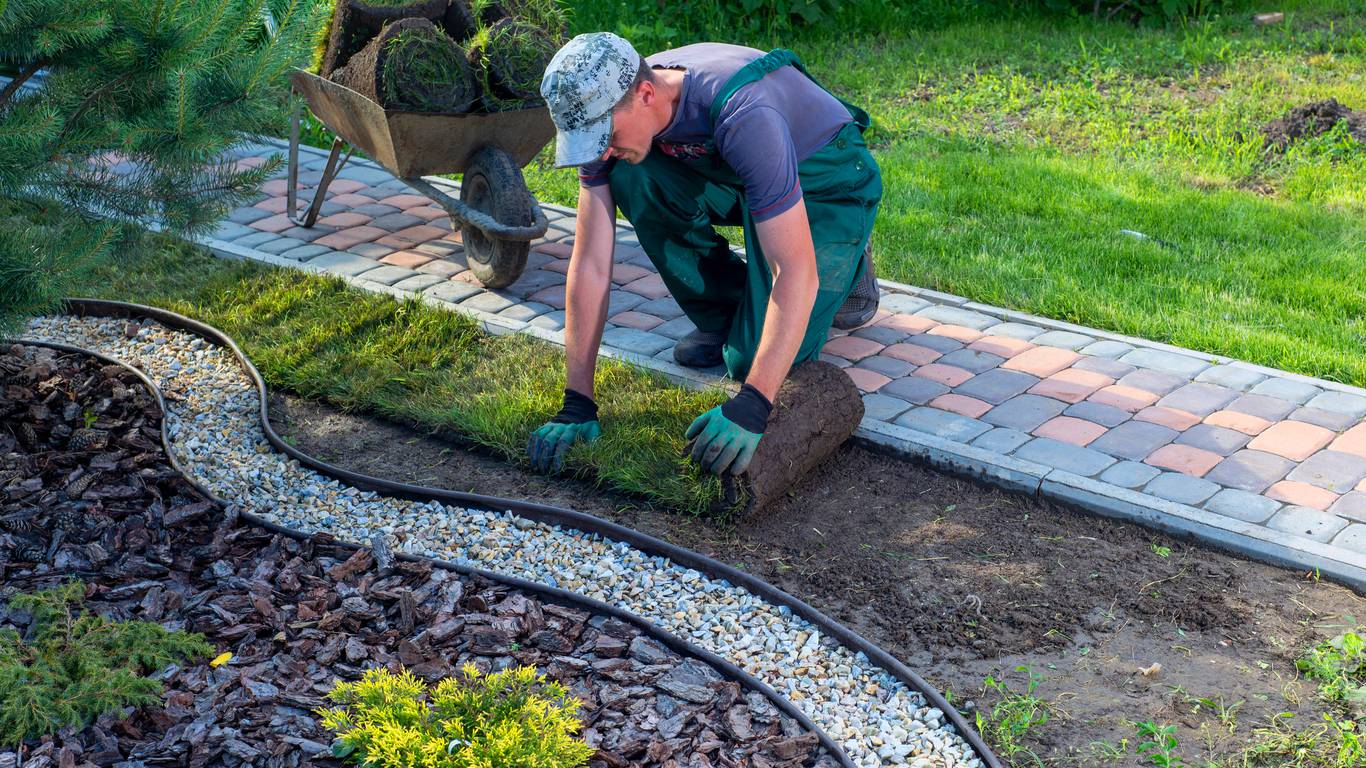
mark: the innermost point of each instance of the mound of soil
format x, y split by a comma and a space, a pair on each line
1313, 120
88, 492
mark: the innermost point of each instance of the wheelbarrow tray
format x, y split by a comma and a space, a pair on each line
410, 144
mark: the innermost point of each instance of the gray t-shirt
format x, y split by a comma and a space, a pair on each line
762, 133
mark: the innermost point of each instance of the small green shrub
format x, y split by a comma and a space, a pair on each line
78, 667
1339, 667
474, 720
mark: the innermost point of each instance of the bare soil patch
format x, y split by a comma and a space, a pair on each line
1312, 120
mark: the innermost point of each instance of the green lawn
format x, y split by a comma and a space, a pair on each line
1016, 151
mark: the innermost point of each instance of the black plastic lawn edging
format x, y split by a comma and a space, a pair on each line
563, 517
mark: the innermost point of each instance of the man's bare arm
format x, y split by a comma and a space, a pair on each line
590, 277
786, 243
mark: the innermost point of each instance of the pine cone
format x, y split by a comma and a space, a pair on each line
30, 553
67, 517
88, 440
81, 484
19, 522
28, 434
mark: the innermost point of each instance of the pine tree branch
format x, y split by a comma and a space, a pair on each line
17, 82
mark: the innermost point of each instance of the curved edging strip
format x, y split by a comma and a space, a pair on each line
564, 517
547, 593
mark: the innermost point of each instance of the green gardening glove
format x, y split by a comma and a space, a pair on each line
577, 420
725, 438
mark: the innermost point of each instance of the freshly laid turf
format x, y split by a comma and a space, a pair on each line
424, 366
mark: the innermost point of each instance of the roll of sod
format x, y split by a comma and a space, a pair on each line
412, 66
355, 23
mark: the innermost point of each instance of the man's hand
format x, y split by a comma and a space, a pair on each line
726, 437
577, 420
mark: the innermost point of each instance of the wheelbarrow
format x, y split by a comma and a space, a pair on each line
496, 215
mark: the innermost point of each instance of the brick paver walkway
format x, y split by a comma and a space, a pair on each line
1251, 459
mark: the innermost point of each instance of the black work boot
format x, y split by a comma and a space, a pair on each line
861, 305
700, 349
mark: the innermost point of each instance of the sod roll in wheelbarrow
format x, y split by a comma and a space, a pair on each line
816, 410
355, 23
412, 65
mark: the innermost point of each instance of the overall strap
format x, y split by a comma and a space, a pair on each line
771, 62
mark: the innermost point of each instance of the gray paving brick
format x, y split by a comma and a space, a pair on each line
666, 308
308, 234
1199, 399
1134, 440
533, 281
1154, 381
375, 210
1352, 538
1351, 505
1262, 406
880, 334
1229, 376
418, 282
1063, 340
253, 240
371, 250
526, 311
279, 245
1024, 412
887, 366
305, 252
940, 344
396, 221
958, 316
388, 274
399, 187
997, 386
1337, 471
1064, 456
1250, 470
229, 230
1107, 349
1129, 474
1339, 402
1163, 360
1326, 419
487, 301
620, 301
676, 328
1021, 331
879, 407
1242, 505
834, 360
1310, 523
343, 263
902, 303
914, 389
1098, 413
972, 360
248, 214
1183, 489
1001, 440
454, 291
943, 424
1112, 368
553, 321
1215, 439
1286, 389
633, 340
444, 249
365, 174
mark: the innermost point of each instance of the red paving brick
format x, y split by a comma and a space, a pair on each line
907, 323
1240, 422
912, 353
626, 273
558, 250
407, 238
558, 265
345, 186
345, 219
467, 276
1352, 441
409, 259
961, 404
352, 201
1071, 385
403, 202
651, 286
246, 162
1361, 486
346, 238
278, 187
1042, 361
554, 296
277, 223
866, 380
1070, 430
957, 333
641, 321
1001, 346
852, 348
1294, 440
1172, 418
948, 375
273, 204
1184, 459
1123, 397
1303, 494
427, 212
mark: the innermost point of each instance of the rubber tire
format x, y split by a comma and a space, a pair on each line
494, 185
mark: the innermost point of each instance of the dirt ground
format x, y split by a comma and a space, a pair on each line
963, 581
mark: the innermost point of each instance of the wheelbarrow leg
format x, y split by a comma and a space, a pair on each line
330, 172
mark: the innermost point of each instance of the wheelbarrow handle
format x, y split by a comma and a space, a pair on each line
480, 220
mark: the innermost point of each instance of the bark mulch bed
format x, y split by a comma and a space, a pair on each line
86, 491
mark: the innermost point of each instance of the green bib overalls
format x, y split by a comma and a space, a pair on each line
674, 203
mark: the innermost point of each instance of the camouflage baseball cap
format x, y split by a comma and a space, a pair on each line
584, 80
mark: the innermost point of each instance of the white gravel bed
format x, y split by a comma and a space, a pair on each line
215, 432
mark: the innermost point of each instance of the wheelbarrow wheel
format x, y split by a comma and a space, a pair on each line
494, 185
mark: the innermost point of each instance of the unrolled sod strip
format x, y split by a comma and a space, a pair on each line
215, 433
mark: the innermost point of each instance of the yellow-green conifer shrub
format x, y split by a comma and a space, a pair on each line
474, 720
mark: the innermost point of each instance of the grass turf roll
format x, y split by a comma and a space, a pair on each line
411, 65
